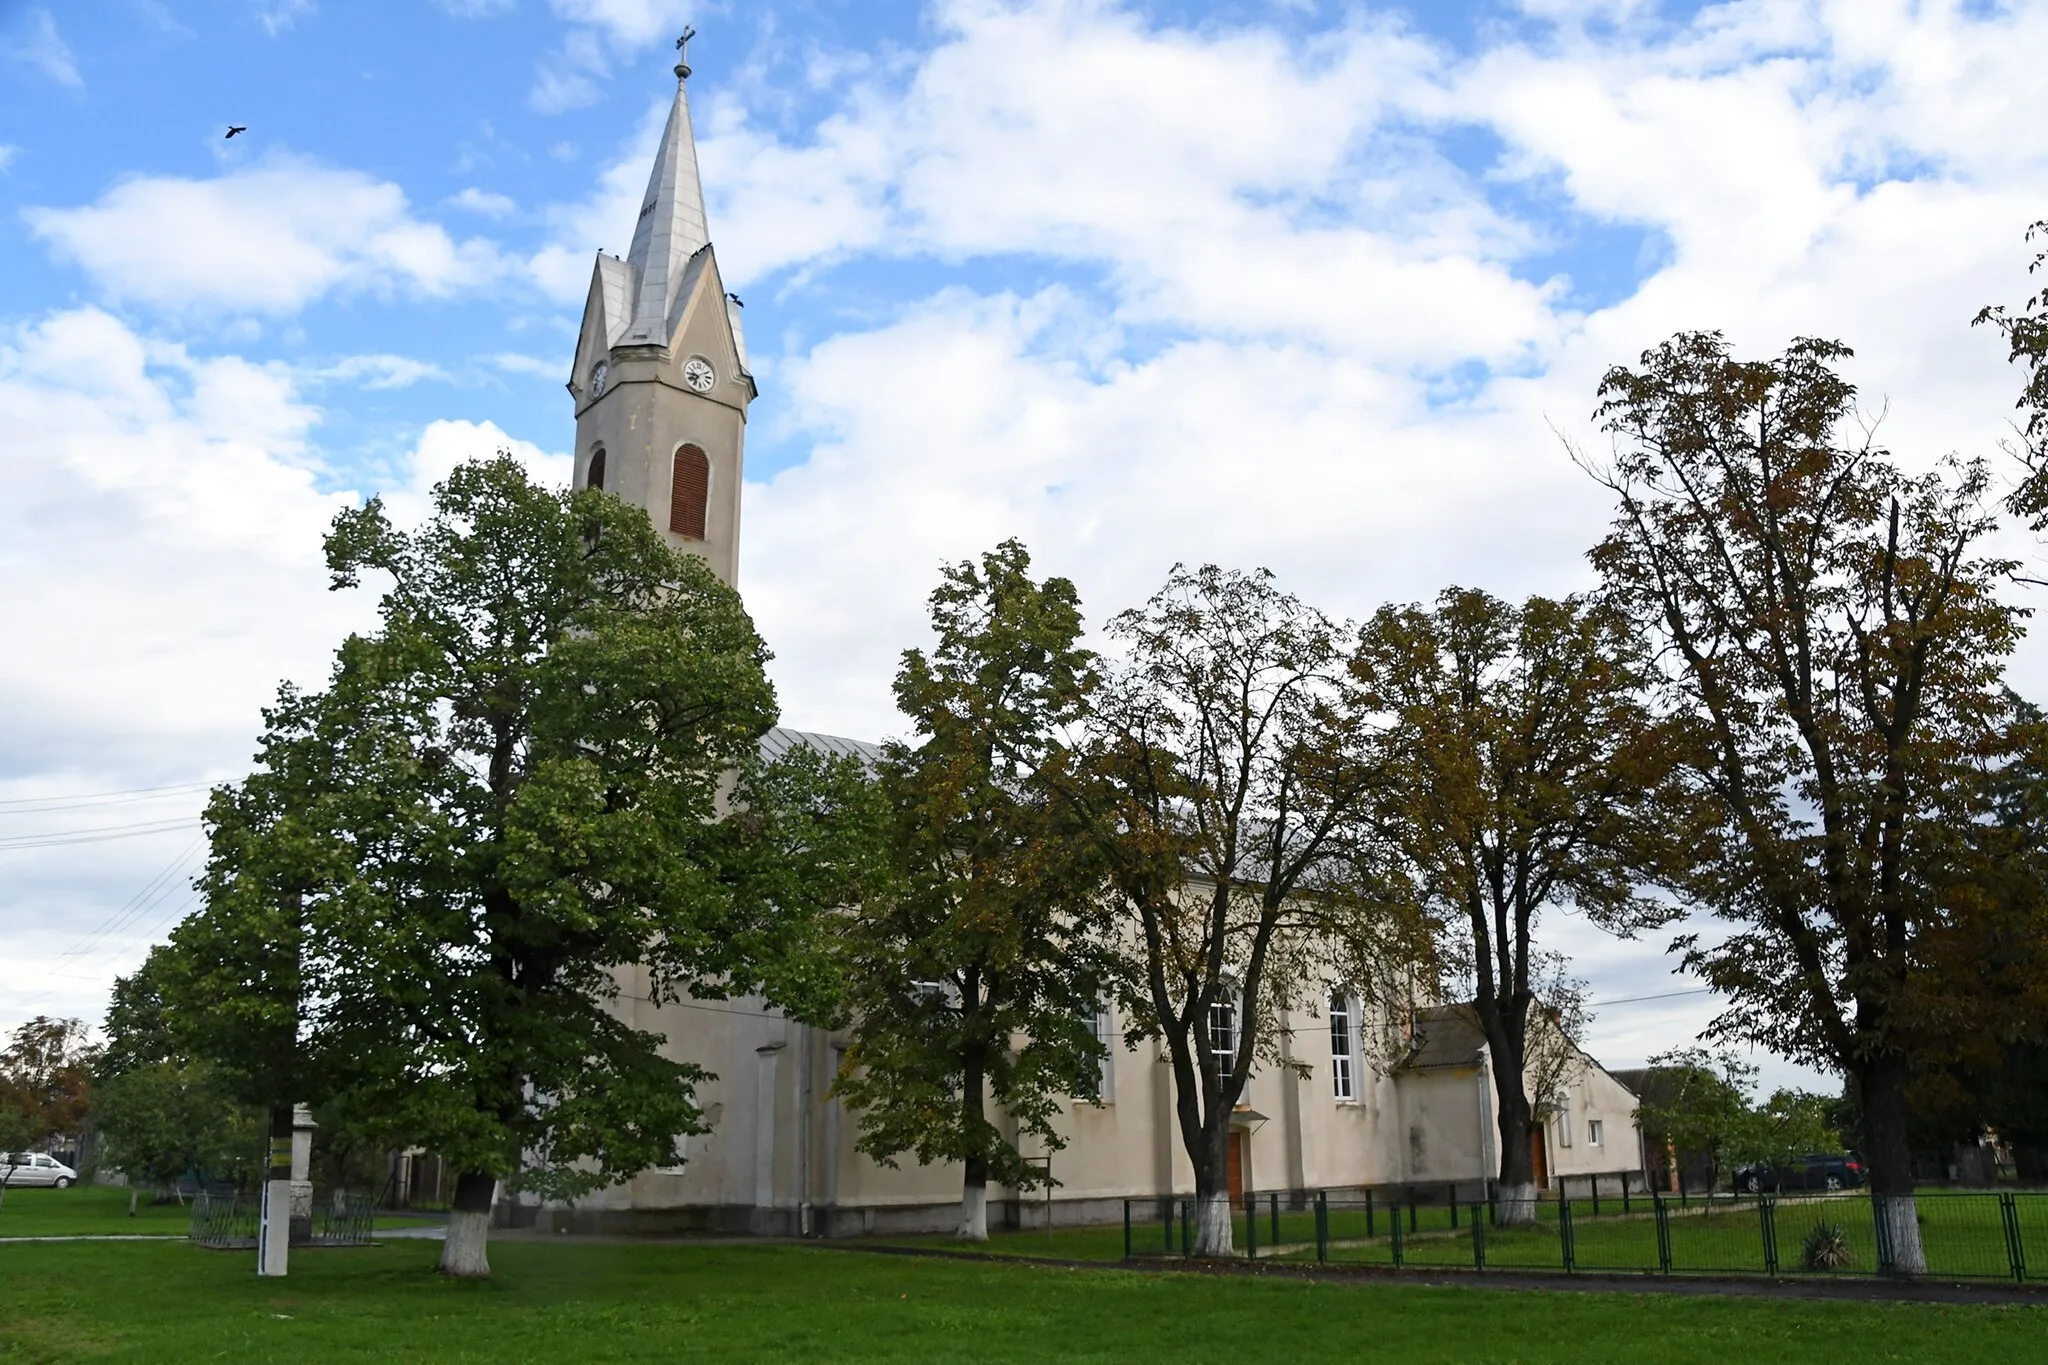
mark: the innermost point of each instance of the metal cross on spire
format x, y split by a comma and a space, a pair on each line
683, 52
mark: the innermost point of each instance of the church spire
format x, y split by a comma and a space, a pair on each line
671, 228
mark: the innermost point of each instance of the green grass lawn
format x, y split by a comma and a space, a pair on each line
583, 1302
103, 1209
87, 1209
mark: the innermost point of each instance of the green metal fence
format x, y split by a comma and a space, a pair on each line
1974, 1235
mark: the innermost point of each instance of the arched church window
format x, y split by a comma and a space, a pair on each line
596, 476
689, 490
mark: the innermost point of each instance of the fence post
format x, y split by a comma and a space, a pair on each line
1370, 1230
1564, 1232
1454, 1207
1478, 1238
1624, 1193
1663, 1217
1251, 1227
1275, 1239
1766, 1212
1322, 1226
1596, 1195
2015, 1248
1187, 1240
1413, 1226
1127, 1229
1394, 1225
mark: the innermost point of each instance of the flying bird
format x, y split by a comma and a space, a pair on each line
232, 130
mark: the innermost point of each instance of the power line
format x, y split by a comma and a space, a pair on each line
98, 834
1638, 999
114, 798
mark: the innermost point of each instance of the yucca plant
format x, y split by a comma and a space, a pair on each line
1826, 1248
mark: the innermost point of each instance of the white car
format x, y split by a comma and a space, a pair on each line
33, 1168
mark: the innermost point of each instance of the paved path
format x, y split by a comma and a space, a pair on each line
103, 1237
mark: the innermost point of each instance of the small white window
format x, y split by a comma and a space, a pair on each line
1592, 1132
1342, 1048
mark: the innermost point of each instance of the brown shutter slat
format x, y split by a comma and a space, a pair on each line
689, 490
596, 479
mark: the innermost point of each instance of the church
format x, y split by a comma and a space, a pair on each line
661, 388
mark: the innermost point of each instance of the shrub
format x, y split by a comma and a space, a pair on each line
1826, 1248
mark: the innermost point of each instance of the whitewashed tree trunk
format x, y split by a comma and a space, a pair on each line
132, 1192
973, 1213
463, 1254
1213, 1233
469, 1228
1899, 1215
1516, 1206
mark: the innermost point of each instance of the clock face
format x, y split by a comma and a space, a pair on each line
698, 374
598, 377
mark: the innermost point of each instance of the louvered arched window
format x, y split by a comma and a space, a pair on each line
689, 490
596, 476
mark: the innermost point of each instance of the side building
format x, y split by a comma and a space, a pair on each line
661, 387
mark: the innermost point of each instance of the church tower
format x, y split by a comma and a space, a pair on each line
660, 379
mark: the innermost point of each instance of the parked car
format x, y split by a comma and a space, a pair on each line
1817, 1171
33, 1168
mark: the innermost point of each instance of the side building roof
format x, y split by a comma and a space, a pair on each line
782, 739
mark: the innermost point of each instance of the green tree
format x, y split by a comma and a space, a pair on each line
539, 777
976, 976
1222, 782
46, 1077
1835, 637
2026, 335
1521, 773
159, 1111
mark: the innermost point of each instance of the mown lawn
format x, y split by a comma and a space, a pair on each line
566, 1301
99, 1210
84, 1209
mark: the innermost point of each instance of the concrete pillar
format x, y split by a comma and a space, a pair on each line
302, 1166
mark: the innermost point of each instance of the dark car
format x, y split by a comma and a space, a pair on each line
1818, 1171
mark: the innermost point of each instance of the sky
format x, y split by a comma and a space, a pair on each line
1321, 288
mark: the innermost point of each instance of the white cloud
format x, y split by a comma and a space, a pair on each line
381, 371
8, 151
37, 43
267, 239
483, 202
547, 367
446, 444
278, 15
161, 517
628, 23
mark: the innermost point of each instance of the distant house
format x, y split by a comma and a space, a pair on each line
1586, 1127
1667, 1168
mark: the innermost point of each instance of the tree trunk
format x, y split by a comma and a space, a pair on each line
974, 1202
469, 1227
1885, 1120
1214, 1234
1515, 1207
132, 1192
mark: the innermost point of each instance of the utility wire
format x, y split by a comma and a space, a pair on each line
96, 835
27, 804
1638, 999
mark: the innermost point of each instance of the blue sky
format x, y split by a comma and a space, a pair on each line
1313, 286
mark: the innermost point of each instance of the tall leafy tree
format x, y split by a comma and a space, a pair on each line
160, 1111
1833, 631
1521, 773
1223, 780
46, 1077
540, 773
976, 976
2026, 335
